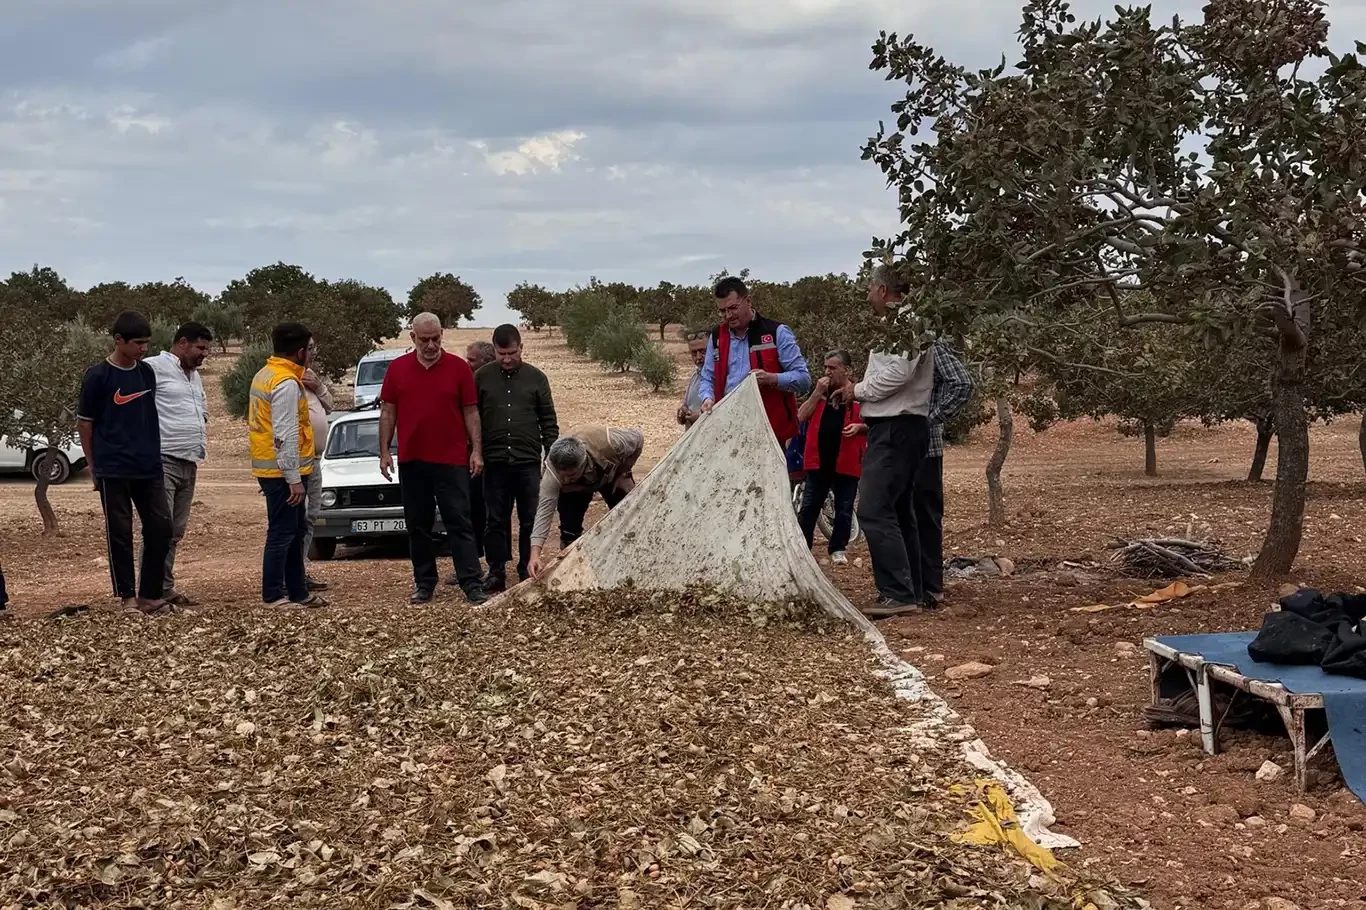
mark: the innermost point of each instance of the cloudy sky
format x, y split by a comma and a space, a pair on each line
504, 140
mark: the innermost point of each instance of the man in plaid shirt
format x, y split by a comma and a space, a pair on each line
952, 390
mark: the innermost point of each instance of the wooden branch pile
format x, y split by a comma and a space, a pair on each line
1170, 557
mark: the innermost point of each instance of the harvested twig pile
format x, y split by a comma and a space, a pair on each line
1169, 557
626, 750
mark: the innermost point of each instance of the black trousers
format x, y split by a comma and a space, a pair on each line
505, 486
148, 497
4, 594
427, 487
573, 506
928, 503
478, 514
896, 449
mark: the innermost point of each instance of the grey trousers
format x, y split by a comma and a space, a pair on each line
180, 477
896, 449
313, 491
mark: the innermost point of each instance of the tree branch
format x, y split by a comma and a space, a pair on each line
1140, 318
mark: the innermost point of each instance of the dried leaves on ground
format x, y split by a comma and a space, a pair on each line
626, 750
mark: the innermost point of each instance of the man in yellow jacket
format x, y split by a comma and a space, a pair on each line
282, 455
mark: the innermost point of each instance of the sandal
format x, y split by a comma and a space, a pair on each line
159, 608
312, 601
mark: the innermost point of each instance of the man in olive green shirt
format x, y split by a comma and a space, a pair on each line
518, 416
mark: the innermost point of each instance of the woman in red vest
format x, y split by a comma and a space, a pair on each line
836, 438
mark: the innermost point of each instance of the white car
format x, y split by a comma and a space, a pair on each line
370, 373
358, 505
24, 455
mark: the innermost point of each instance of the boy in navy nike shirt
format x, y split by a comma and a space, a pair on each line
121, 437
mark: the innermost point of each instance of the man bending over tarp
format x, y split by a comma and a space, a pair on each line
594, 459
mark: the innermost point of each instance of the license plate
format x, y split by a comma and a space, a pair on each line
378, 525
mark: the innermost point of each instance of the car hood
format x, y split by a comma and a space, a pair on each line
354, 472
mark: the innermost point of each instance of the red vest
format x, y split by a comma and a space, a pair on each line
850, 460
780, 406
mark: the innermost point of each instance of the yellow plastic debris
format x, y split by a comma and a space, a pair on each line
996, 825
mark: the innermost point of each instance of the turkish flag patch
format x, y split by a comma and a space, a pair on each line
767, 339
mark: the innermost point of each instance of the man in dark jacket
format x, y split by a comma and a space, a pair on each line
518, 416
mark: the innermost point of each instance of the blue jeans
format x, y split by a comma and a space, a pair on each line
282, 560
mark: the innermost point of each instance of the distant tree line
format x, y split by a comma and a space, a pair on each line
51, 332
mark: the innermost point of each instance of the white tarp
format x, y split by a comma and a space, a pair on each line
717, 511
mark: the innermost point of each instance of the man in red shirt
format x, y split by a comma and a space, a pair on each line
429, 396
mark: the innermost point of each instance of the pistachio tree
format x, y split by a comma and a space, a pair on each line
1216, 166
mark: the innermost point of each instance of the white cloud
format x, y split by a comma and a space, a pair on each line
532, 155
137, 55
127, 119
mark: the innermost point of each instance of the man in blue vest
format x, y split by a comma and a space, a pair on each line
745, 343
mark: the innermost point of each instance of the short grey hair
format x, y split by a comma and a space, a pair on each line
886, 276
843, 356
485, 349
568, 453
426, 319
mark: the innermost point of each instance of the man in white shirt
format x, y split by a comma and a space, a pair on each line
319, 406
183, 416
895, 393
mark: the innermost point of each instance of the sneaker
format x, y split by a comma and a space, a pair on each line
420, 596
494, 584
311, 602
934, 599
176, 599
315, 585
886, 608
476, 595
839, 559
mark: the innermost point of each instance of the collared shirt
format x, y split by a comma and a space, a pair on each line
952, 390
182, 409
692, 396
517, 413
430, 403
794, 378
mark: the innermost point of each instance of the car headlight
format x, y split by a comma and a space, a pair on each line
329, 498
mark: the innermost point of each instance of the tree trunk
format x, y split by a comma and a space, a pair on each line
662, 327
1282, 542
45, 509
1361, 440
996, 500
1266, 430
1149, 450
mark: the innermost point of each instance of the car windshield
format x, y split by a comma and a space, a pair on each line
356, 438
372, 372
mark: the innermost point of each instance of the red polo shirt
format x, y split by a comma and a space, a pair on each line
430, 402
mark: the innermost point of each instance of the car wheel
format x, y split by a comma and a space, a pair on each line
323, 549
61, 467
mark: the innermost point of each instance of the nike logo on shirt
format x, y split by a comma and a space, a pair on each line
120, 398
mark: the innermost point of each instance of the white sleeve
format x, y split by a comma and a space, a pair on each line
284, 422
892, 374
